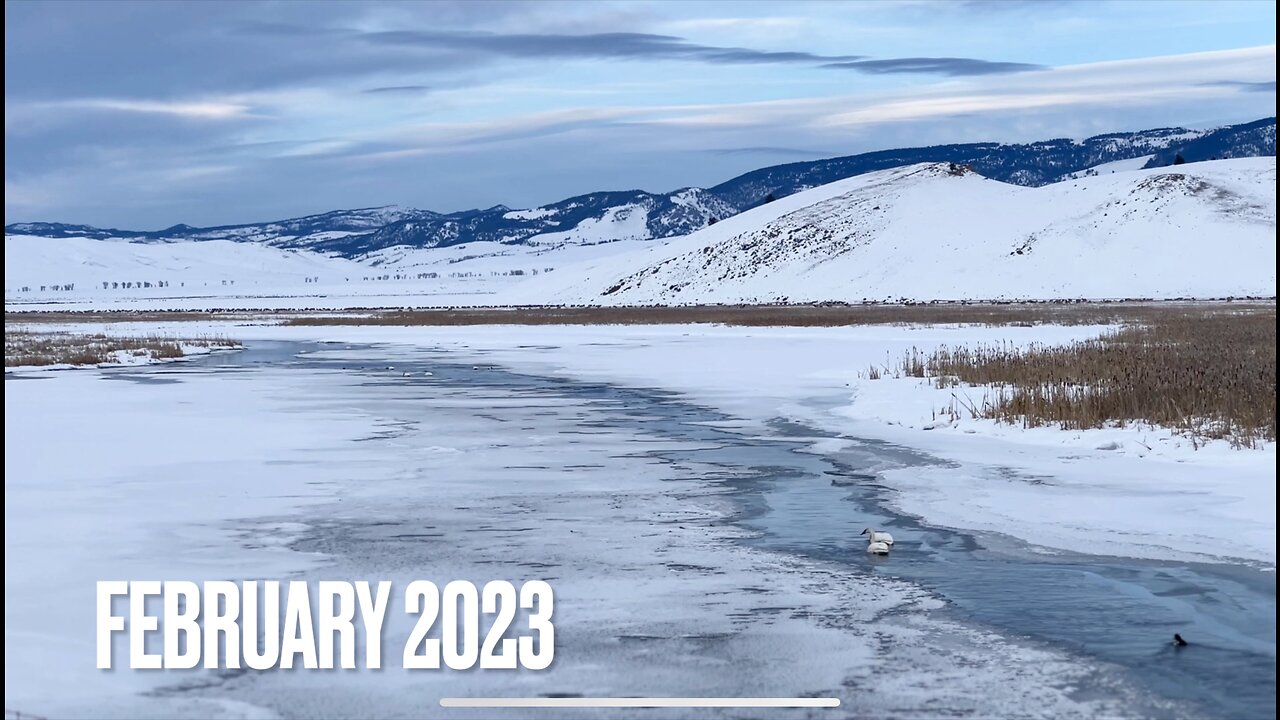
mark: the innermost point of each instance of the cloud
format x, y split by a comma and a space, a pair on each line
397, 89
743, 130
951, 66
1123, 83
28, 197
647, 46
751, 24
198, 110
154, 113
765, 150
434, 138
1001, 5
1246, 86
609, 45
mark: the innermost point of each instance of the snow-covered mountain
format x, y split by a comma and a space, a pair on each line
942, 231
639, 215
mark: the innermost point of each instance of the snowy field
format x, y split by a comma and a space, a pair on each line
84, 274
512, 460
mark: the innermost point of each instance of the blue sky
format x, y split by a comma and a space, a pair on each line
143, 115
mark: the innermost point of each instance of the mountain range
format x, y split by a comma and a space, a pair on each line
638, 215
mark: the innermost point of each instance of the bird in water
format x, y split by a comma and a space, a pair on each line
875, 536
1178, 641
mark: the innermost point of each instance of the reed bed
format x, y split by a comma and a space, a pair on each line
25, 348
774, 315
1210, 373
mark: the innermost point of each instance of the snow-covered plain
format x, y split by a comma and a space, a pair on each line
227, 275
188, 267
216, 274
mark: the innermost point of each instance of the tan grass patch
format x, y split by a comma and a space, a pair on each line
25, 348
1208, 372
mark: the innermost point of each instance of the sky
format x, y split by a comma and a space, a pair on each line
142, 115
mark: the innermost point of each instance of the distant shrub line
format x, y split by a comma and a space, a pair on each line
813, 315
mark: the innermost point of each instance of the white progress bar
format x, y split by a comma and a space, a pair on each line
628, 702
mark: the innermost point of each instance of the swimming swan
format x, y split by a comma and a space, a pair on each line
874, 537
878, 548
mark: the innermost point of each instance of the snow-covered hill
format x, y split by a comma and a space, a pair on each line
933, 231
1114, 166
940, 231
639, 215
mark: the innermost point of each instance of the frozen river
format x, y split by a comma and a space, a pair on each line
690, 556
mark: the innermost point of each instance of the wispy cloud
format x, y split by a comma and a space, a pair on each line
648, 46
753, 24
1246, 86
776, 151
708, 128
614, 45
433, 138
194, 109
951, 66
397, 89
198, 172
1001, 5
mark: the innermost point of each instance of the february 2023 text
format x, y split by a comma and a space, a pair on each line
269, 624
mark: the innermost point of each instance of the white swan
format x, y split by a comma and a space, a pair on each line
878, 548
873, 537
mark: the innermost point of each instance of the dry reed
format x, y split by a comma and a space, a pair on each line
1209, 372
25, 348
